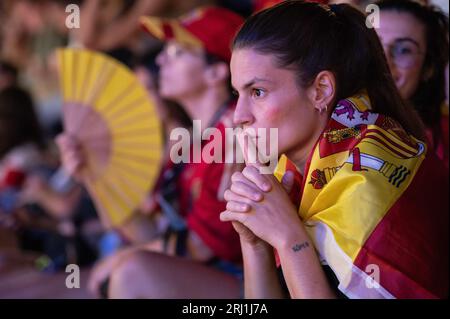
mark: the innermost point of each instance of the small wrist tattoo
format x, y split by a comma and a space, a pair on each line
298, 247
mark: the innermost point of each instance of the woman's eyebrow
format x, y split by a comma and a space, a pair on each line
255, 80
252, 82
407, 39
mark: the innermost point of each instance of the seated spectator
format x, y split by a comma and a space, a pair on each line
29, 197
415, 40
199, 253
170, 114
359, 208
22, 142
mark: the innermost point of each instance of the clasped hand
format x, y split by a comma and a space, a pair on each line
260, 208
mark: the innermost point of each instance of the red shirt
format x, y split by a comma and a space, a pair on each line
201, 200
439, 143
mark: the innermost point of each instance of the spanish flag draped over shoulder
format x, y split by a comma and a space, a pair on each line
375, 205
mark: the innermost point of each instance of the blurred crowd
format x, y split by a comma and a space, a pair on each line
43, 210
47, 214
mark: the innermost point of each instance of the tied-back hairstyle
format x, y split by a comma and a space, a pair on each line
430, 94
309, 38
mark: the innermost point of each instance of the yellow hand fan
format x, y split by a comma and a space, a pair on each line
113, 118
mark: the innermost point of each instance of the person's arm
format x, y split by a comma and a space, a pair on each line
141, 239
274, 220
302, 271
260, 272
57, 205
87, 33
117, 32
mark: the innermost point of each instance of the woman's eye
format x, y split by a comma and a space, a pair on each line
404, 50
174, 51
235, 93
258, 93
179, 52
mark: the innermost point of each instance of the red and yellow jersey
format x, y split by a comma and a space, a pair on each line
201, 201
375, 205
199, 198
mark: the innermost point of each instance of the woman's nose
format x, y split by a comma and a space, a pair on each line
392, 67
242, 114
391, 62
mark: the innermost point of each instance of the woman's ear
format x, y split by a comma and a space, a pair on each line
322, 91
217, 73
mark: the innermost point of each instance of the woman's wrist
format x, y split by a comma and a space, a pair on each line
260, 247
295, 235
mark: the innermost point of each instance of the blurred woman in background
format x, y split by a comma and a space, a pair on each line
415, 41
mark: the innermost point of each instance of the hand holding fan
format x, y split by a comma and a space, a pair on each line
111, 116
